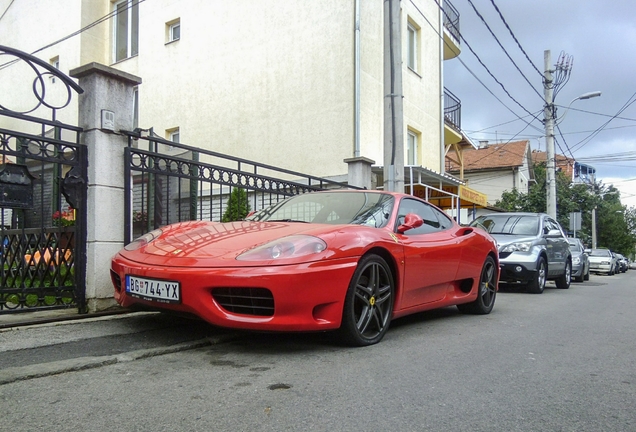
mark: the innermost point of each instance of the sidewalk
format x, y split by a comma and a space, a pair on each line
38, 344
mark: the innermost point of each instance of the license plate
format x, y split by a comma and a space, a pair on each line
153, 289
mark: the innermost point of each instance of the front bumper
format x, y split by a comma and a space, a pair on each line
600, 268
577, 270
512, 272
518, 266
306, 297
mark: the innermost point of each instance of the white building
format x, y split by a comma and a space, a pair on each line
288, 83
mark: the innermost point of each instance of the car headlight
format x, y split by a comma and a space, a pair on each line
288, 247
517, 247
576, 260
143, 240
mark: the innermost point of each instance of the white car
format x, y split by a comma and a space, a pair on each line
602, 261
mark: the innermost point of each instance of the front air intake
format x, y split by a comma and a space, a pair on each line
245, 301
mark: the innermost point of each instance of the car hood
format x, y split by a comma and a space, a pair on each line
202, 243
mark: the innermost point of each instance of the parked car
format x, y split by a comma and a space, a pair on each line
621, 263
342, 260
580, 260
602, 261
532, 249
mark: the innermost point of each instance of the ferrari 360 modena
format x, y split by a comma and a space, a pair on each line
348, 261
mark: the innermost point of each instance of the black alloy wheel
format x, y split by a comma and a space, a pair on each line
485, 300
369, 303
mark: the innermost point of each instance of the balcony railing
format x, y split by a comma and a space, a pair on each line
451, 19
452, 110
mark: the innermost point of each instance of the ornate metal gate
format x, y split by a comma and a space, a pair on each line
43, 187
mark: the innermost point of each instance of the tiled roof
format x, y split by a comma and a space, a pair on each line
492, 156
564, 163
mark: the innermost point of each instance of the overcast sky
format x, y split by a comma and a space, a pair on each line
600, 38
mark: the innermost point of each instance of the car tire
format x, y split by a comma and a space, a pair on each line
368, 306
563, 282
487, 291
579, 278
537, 285
587, 275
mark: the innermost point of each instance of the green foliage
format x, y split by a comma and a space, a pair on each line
615, 223
238, 206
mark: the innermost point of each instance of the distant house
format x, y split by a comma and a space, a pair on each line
495, 168
575, 171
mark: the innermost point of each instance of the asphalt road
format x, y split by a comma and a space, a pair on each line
560, 361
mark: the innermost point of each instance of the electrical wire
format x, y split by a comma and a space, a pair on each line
83, 29
514, 37
479, 60
7, 8
483, 20
587, 139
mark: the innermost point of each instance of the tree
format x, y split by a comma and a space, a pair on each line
615, 224
238, 206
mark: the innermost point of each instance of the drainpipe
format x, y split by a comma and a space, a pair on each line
441, 99
356, 107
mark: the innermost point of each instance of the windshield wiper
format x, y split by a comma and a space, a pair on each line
286, 220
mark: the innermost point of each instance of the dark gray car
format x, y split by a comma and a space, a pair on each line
580, 261
532, 249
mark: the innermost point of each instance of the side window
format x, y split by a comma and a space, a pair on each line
426, 212
551, 225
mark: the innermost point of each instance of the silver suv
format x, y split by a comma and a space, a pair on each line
532, 249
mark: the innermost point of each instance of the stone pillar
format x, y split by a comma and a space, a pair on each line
110, 90
360, 171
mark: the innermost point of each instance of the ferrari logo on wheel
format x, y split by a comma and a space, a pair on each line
372, 301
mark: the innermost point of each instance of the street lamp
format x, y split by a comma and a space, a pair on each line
550, 121
584, 96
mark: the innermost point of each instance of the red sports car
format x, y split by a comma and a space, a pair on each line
344, 260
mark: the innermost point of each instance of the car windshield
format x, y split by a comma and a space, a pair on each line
509, 224
600, 253
359, 208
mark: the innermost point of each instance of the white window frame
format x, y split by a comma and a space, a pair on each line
173, 135
412, 46
135, 112
55, 62
131, 13
412, 147
172, 27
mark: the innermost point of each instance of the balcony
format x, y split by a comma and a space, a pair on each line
452, 118
451, 31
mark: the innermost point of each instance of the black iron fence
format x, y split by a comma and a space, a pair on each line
43, 178
451, 19
168, 182
452, 110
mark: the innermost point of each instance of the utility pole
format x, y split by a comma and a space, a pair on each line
548, 113
393, 102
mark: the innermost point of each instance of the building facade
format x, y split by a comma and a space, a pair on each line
295, 84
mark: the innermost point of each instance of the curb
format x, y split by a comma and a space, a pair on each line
13, 374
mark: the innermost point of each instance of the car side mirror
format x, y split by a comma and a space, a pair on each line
411, 221
553, 233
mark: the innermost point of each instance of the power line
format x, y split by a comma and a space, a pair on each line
5, 11
515, 38
587, 139
83, 29
598, 114
483, 20
480, 61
